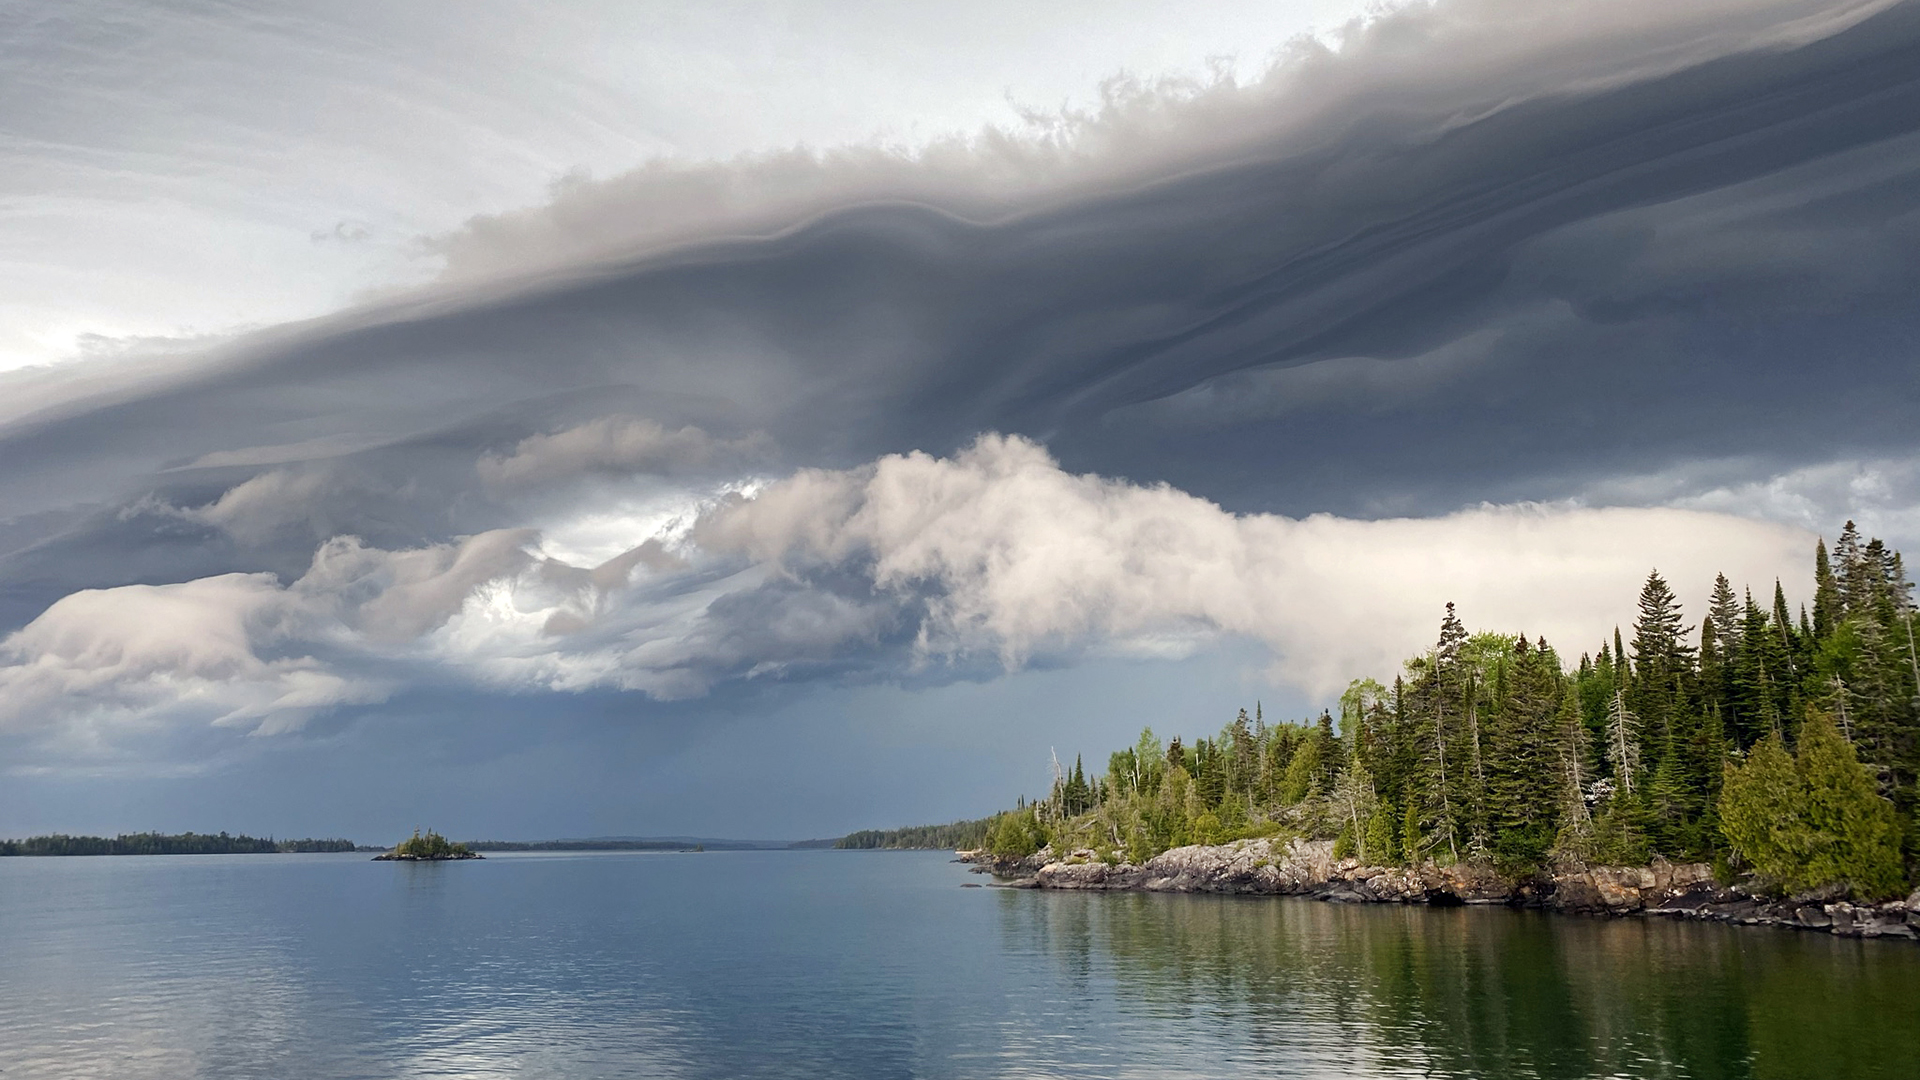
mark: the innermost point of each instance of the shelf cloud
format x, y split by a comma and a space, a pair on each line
910, 565
1494, 302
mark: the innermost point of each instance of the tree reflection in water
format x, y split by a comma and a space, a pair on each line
1296, 987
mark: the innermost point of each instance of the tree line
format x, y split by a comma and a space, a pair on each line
958, 835
1766, 741
150, 843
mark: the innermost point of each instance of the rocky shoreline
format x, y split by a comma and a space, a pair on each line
1307, 868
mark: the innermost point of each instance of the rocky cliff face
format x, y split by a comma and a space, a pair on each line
1308, 868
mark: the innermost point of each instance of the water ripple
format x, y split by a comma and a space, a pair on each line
784, 964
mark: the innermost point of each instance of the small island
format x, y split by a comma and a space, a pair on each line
429, 848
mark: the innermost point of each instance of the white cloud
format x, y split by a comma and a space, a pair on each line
1023, 557
257, 508
996, 554
612, 445
236, 650
396, 596
103, 661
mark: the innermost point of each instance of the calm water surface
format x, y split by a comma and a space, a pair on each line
877, 964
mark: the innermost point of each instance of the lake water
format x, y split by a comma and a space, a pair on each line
878, 964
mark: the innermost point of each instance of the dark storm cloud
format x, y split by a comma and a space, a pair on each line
1518, 273
1716, 261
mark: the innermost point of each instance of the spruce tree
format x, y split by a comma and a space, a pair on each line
1725, 617
1826, 593
1662, 661
1522, 789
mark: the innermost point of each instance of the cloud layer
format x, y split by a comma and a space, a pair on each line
951, 567
1486, 301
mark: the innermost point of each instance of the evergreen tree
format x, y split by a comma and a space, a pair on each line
1812, 819
1854, 838
1790, 642
1725, 617
1662, 662
1575, 753
1826, 593
1521, 790
1760, 811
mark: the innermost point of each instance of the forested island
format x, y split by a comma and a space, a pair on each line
430, 847
1779, 748
165, 844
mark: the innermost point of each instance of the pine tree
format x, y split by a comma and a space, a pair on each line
1791, 642
1715, 675
1487, 747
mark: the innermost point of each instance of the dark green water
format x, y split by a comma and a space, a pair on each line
1490, 992
878, 964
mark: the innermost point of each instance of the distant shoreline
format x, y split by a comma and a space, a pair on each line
62, 845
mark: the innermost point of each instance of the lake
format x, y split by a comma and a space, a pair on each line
878, 964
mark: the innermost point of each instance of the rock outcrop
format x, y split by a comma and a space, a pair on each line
1308, 868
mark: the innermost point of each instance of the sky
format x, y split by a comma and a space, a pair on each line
774, 419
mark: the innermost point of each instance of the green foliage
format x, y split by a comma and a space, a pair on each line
1811, 819
1344, 845
1619, 835
1413, 843
958, 836
430, 846
1302, 773
1206, 828
1016, 834
1378, 845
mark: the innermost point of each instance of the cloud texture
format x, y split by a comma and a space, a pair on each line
994, 557
1487, 301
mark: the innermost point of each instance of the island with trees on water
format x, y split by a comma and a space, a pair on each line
432, 847
1774, 755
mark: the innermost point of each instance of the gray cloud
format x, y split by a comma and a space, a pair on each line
1600, 206
1467, 61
